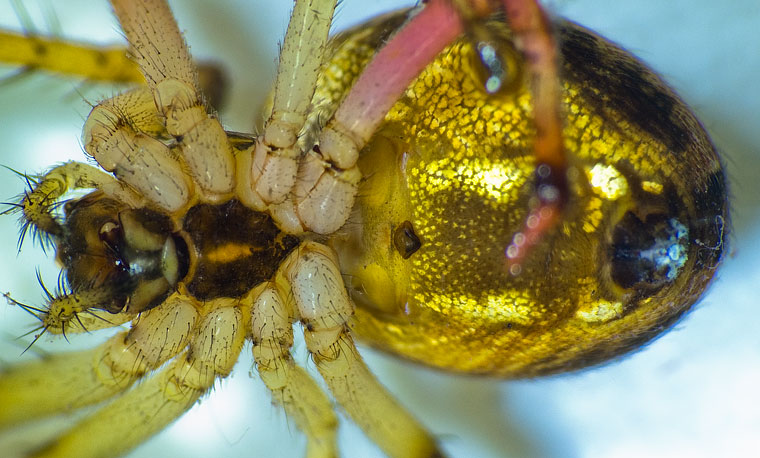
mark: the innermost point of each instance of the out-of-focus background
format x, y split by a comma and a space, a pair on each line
693, 392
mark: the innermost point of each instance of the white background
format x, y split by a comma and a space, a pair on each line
694, 392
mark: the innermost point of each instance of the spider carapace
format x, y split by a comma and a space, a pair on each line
180, 246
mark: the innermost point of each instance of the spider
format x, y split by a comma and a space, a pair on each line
610, 368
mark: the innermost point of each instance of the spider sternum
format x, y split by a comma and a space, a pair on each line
235, 249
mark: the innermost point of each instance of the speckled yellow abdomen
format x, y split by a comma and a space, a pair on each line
448, 180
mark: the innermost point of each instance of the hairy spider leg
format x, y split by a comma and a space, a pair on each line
310, 278
328, 177
275, 160
214, 342
535, 40
68, 381
291, 386
160, 51
34, 51
94, 63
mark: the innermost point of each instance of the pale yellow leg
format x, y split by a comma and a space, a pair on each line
311, 277
89, 62
120, 134
157, 401
128, 421
155, 43
291, 386
275, 161
160, 51
60, 383
68, 381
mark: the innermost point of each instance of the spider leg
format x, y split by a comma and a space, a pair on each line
120, 134
68, 381
147, 408
310, 276
50, 53
34, 52
160, 51
328, 177
535, 40
274, 165
38, 205
291, 386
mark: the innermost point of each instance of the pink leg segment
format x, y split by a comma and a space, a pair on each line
395, 66
416, 45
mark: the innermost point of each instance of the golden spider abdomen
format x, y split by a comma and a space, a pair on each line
448, 181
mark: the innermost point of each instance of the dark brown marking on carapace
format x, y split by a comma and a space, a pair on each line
236, 249
611, 79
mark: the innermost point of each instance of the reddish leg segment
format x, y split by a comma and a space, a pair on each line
394, 67
401, 60
534, 38
329, 175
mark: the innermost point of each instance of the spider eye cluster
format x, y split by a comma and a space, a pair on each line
131, 256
